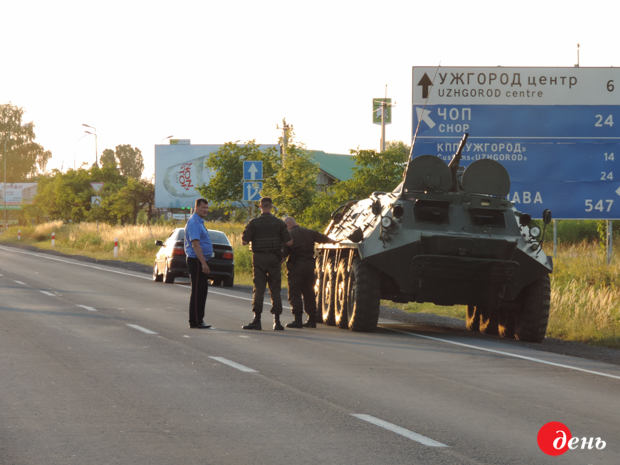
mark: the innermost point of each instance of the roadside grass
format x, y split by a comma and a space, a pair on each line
585, 291
136, 243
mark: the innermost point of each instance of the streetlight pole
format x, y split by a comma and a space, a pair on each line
8, 134
75, 148
94, 134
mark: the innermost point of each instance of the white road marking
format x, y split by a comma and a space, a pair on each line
140, 328
90, 309
71, 262
149, 278
19, 282
234, 365
500, 352
398, 430
47, 293
247, 337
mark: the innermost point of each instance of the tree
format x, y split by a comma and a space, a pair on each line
373, 171
24, 157
126, 203
226, 184
68, 196
293, 188
126, 159
108, 158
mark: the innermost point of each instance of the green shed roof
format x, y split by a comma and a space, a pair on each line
338, 166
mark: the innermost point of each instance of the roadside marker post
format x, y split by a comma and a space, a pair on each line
53, 237
19, 234
115, 247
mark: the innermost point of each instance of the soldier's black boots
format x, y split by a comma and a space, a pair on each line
276, 323
255, 324
297, 323
310, 322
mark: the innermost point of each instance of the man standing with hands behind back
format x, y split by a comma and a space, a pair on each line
199, 250
267, 234
300, 268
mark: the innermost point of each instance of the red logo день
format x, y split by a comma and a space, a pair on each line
553, 438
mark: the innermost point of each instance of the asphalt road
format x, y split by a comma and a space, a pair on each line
98, 366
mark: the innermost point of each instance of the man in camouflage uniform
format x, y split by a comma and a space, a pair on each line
268, 235
300, 272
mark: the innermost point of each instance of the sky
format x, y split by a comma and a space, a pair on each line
215, 72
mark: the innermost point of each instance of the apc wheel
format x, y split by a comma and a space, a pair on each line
488, 321
532, 319
472, 320
318, 291
327, 291
157, 277
341, 316
168, 277
364, 297
229, 282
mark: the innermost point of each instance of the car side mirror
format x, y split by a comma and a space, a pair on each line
159, 243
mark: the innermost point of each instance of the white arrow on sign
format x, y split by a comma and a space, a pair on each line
618, 191
253, 191
252, 170
423, 116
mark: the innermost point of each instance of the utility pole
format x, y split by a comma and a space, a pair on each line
285, 129
382, 105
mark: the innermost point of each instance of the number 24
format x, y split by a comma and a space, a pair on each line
609, 121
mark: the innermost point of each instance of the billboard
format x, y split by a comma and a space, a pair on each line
179, 169
17, 194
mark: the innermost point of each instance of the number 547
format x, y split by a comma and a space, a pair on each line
600, 205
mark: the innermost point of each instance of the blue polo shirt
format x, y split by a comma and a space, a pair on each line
195, 229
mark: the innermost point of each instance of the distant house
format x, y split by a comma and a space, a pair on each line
333, 167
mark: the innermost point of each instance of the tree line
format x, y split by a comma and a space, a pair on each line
290, 179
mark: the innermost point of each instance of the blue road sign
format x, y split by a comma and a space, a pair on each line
251, 191
556, 130
252, 170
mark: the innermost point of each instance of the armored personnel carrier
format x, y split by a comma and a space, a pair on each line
445, 235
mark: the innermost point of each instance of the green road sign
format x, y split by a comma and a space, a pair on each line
376, 110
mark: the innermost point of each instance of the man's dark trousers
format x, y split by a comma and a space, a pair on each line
200, 288
301, 283
267, 271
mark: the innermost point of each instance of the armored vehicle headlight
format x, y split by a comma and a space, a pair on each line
386, 221
535, 231
398, 211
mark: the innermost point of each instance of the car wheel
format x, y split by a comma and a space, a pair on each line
230, 281
157, 277
168, 277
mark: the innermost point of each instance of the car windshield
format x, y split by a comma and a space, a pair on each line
217, 237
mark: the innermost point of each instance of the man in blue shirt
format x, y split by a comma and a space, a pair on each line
199, 250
